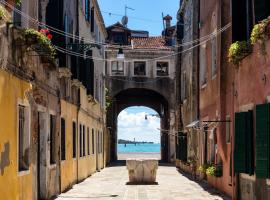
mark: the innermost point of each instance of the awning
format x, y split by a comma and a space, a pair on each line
193, 124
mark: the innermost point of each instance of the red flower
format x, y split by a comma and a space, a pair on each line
49, 36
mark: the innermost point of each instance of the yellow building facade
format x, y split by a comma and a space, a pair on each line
14, 183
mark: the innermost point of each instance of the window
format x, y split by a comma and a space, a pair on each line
24, 138
17, 18
88, 141
52, 139
87, 10
117, 68
244, 151
214, 56
184, 86
93, 141
92, 20
63, 139
162, 68
81, 151
242, 19
262, 9
74, 140
262, 141
83, 142
203, 67
139, 68
228, 129
182, 151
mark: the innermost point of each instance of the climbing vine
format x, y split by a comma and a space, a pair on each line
108, 99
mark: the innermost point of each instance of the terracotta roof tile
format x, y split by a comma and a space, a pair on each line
150, 43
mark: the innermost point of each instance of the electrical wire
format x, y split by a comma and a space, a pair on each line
72, 36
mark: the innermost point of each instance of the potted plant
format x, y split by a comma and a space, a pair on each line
40, 41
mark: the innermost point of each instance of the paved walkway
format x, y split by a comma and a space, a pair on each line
110, 184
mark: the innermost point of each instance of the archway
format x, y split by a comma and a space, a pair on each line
138, 133
138, 97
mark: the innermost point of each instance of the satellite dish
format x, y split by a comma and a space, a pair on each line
125, 20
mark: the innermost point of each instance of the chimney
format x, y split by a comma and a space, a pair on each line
167, 19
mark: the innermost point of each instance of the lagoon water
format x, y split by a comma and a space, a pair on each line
142, 148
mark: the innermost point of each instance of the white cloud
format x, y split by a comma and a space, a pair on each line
134, 125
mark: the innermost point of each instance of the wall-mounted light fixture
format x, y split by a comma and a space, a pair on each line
120, 54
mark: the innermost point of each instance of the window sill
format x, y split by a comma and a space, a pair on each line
24, 172
214, 77
142, 76
117, 74
163, 75
52, 166
204, 86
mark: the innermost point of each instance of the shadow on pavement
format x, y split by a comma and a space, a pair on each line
204, 185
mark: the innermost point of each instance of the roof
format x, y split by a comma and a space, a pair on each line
150, 43
117, 25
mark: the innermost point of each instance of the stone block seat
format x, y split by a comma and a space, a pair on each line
142, 170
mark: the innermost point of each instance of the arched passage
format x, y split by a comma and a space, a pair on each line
138, 97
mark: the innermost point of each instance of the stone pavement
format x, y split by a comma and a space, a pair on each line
110, 184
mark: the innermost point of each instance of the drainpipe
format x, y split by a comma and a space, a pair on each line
78, 103
198, 66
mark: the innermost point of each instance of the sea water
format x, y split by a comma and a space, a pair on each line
142, 148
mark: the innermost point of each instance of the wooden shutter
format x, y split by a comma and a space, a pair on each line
239, 146
262, 141
243, 149
249, 143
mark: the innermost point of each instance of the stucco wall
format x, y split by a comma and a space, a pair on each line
13, 185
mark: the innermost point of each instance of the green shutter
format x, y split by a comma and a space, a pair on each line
240, 146
262, 141
249, 144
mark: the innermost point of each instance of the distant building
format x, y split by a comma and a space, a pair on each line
145, 77
119, 34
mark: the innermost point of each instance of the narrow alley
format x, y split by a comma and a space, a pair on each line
112, 184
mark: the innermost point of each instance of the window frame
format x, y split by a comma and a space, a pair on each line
203, 74
74, 139
145, 66
63, 143
168, 68
27, 131
52, 159
115, 73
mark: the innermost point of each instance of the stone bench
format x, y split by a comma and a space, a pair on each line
142, 170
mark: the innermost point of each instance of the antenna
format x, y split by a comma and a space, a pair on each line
163, 21
125, 18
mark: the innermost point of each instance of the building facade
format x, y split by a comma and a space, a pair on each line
58, 102
232, 98
143, 77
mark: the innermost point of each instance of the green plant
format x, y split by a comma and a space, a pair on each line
108, 99
39, 42
211, 170
18, 2
261, 32
238, 51
3, 13
203, 168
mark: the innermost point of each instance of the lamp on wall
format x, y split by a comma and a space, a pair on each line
120, 54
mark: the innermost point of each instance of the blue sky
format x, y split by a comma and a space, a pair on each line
150, 10
132, 124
